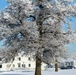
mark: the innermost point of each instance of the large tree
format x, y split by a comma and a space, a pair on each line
50, 16
35, 27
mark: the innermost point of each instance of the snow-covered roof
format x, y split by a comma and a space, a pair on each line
67, 60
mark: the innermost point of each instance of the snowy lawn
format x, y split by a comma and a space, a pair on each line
46, 72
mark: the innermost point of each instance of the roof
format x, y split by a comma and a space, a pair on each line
67, 60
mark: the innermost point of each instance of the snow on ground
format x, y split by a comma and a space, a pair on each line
46, 72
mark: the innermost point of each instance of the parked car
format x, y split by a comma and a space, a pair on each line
63, 67
67, 67
70, 67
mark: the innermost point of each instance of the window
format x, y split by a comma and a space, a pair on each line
19, 65
72, 63
8, 65
19, 58
69, 63
13, 65
13, 59
29, 58
0, 66
23, 65
29, 65
0, 59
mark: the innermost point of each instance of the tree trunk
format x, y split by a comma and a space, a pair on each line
56, 65
38, 66
38, 55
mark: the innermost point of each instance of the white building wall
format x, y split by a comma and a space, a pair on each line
24, 63
75, 63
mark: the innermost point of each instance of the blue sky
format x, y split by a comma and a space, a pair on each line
2, 4
72, 46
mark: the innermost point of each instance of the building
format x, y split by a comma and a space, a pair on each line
20, 63
69, 63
